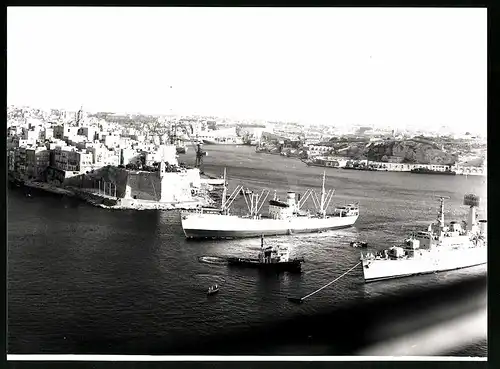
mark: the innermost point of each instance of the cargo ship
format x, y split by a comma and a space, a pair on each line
283, 218
430, 171
439, 248
223, 141
270, 258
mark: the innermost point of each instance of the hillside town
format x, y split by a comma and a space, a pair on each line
125, 158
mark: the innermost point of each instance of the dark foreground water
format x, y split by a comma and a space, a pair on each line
88, 280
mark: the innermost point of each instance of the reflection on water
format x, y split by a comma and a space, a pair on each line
392, 287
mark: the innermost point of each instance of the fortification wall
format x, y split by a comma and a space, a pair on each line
109, 174
143, 185
173, 187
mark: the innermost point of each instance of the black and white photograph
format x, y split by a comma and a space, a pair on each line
285, 183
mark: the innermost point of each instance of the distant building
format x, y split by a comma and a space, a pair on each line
59, 132
129, 156
47, 134
165, 153
90, 133
314, 150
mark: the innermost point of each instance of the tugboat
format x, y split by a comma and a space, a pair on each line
276, 258
212, 290
440, 248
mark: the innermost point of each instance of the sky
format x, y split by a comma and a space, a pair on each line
395, 67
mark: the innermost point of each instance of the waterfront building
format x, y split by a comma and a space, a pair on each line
316, 150
11, 160
37, 160
20, 161
70, 159
470, 170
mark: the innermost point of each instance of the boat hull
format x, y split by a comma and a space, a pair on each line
439, 261
437, 172
228, 142
196, 225
293, 266
309, 164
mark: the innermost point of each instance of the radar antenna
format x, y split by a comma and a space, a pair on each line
472, 201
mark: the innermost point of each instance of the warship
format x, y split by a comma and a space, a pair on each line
440, 248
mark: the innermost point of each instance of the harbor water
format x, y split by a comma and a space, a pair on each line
83, 280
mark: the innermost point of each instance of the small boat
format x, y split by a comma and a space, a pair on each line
361, 244
213, 290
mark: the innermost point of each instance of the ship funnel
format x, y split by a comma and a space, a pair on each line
483, 227
290, 196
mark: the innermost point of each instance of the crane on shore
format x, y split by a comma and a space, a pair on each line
198, 149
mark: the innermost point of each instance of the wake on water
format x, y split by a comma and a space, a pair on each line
212, 260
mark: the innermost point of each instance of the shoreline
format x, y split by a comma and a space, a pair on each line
460, 170
112, 203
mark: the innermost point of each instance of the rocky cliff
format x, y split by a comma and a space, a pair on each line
409, 151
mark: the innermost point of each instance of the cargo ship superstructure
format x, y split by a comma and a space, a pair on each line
284, 217
440, 248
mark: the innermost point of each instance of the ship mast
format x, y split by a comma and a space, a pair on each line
441, 212
224, 192
440, 217
322, 203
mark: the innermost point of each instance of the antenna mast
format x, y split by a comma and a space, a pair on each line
224, 192
440, 217
322, 202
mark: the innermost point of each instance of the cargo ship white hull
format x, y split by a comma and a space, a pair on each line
230, 226
284, 217
434, 261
